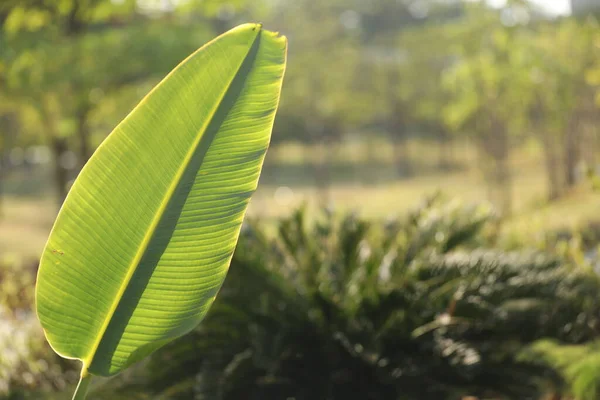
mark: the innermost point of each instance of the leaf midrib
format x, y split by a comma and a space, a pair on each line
143, 247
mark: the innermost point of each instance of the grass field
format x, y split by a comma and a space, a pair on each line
363, 179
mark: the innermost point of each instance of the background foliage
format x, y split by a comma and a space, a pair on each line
384, 102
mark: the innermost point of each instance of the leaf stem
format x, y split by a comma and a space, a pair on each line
82, 387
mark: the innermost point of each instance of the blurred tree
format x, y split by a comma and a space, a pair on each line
405, 60
415, 96
43, 68
547, 101
321, 97
351, 70
488, 83
559, 97
80, 54
219, 16
577, 45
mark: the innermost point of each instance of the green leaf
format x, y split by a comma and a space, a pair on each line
144, 239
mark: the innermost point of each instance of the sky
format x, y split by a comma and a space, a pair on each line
558, 7
555, 6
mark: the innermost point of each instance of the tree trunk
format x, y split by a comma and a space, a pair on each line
552, 161
505, 189
5, 120
446, 157
9, 125
397, 126
84, 137
2, 173
323, 169
486, 170
596, 146
61, 177
402, 156
502, 156
495, 142
572, 151
588, 152
58, 147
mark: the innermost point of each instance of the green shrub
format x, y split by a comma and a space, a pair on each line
340, 308
578, 364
